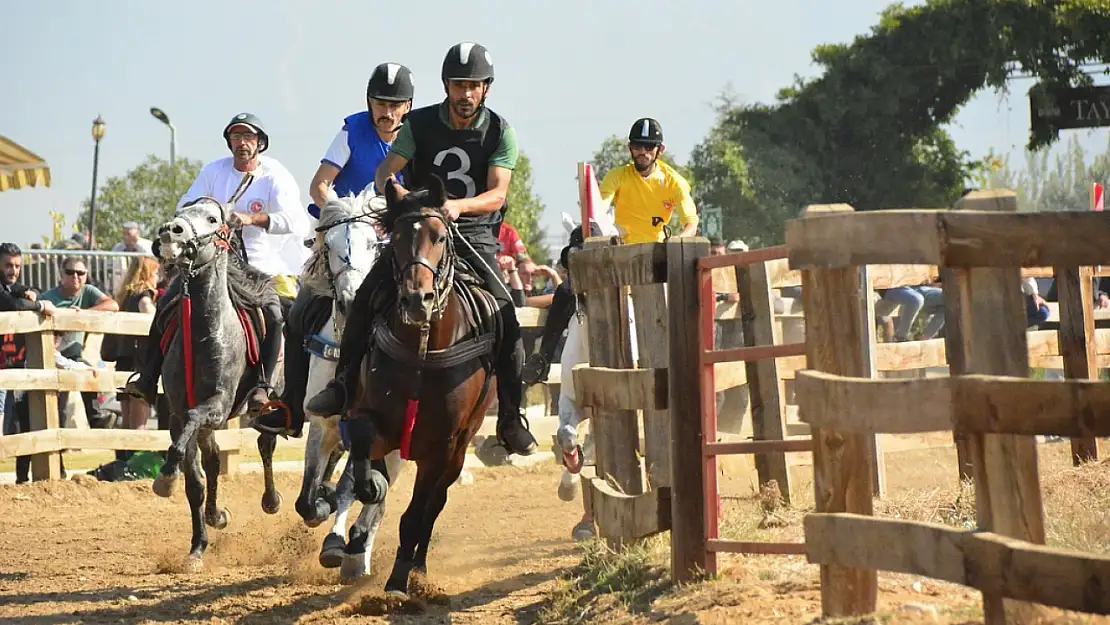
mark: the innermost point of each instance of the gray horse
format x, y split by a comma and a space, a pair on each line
208, 325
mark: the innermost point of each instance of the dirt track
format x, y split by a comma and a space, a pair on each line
106, 553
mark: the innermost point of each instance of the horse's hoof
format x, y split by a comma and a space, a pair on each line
193, 564
219, 519
400, 594
164, 485
331, 554
271, 505
583, 531
352, 568
568, 486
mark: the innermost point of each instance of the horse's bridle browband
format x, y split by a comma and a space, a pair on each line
332, 275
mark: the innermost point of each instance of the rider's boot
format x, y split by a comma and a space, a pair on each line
512, 428
563, 305
270, 350
289, 420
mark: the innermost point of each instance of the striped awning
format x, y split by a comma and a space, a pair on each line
19, 167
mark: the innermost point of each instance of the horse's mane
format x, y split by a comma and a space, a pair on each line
386, 217
249, 287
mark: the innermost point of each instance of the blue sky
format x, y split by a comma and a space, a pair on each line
569, 74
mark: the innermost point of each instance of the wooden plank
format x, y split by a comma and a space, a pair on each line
977, 238
890, 276
755, 353
866, 542
760, 548
618, 265
847, 239
842, 463
639, 389
71, 380
765, 388
531, 317
689, 525
1077, 347
866, 307
649, 308
616, 432
74, 320
59, 439
794, 445
989, 562
960, 238
622, 519
967, 403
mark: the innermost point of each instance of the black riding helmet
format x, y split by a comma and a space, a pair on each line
576, 241
467, 61
251, 120
646, 130
391, 82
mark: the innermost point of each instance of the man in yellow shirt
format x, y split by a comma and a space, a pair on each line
646, 192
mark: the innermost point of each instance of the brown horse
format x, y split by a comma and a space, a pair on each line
429, 377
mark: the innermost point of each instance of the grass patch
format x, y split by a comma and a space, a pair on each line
630, 579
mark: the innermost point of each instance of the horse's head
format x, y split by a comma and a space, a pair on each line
196, 234
423, 255
346, 246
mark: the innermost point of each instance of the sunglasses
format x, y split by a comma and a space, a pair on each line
75, 272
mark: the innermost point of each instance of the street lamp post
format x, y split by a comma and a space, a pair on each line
161, 116
97, 135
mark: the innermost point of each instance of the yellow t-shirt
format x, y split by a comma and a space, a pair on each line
642, 206
286, 286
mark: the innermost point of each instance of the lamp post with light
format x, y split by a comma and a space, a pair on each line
97, 135
161, 116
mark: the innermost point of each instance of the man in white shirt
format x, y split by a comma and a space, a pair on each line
266, 200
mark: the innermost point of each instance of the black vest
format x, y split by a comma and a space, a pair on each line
460, 158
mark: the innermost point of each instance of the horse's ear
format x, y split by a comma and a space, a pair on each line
391, 193
437, 193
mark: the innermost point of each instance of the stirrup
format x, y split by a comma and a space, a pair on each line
272, 406
123, 390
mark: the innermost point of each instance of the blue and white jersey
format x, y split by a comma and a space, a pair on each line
356, 151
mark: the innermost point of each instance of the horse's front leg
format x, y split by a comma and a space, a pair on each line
194, 492
428, 474
271, 498
370, 485
312, 505
183, 437
210, 457
359, 552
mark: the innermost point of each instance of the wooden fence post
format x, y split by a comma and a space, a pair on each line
689, 553
867, 345
765, 385
1077, 341
842, 463
43, 404
650, 311
985, 311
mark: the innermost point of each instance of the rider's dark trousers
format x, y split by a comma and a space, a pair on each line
356, 334
563, 305
296, 358
152, 356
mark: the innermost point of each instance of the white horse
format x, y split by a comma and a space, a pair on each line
346, 246
576, 352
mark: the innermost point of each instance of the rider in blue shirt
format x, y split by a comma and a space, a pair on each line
348, 167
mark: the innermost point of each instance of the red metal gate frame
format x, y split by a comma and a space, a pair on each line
710, 447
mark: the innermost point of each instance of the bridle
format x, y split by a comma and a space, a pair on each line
333, 275
220, 237
443, 274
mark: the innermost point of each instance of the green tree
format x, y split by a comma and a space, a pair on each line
525, 209
869, 130
147, 194
1059, 184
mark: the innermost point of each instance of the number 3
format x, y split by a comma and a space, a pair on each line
461, 172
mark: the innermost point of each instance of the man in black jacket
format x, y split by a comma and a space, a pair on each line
15, 297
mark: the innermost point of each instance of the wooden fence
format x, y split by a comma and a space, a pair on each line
43, 381
987, 400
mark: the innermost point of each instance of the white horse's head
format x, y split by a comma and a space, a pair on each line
346, 246
196, 233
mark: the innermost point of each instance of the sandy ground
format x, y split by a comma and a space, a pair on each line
105, 553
